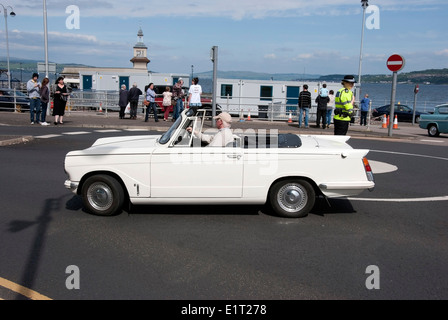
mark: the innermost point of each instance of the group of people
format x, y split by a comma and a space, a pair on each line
170, 99
327, 101
342, 103
39, 94
325, 106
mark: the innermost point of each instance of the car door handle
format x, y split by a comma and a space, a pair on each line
234, 156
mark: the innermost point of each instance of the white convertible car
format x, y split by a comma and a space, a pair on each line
287, 171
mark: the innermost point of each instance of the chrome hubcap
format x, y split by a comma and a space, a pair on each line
292, 197
433, 130
100, 196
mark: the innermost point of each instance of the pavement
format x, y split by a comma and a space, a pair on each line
110, 120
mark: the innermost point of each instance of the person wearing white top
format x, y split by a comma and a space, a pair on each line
194, 94
330, 108
224, 135
167, 96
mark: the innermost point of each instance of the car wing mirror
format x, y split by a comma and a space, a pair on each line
179, 139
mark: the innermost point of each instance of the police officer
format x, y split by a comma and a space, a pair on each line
344, 106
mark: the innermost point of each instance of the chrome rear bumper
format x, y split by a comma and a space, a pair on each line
73, 186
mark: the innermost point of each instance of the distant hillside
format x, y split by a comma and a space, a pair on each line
23, 68
434, 76
249, 75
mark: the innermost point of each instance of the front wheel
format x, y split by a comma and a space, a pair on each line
103, 195
292, 198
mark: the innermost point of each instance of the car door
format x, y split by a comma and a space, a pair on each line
5, 100
442, 119
189, 170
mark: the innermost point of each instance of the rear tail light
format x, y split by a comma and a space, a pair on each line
368, 169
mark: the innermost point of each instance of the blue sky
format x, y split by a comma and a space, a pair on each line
282, 36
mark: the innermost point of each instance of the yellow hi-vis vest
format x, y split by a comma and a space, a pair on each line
343, 102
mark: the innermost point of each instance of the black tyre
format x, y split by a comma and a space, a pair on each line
103, 195
292, 198
433, 131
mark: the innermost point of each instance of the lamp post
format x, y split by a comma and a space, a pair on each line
46, 40
364, 4
12, 14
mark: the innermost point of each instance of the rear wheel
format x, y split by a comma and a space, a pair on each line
292, 198
103, 195
433, 131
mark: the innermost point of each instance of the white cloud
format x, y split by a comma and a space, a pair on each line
442, 53
270, 56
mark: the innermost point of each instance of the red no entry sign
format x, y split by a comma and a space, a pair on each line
395, 63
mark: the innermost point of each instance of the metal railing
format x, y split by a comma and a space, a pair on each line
266, 108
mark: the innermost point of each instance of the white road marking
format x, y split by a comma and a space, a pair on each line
108, 130
437, 141
381, 167
441, 198
48, 136
410, 154
76, 133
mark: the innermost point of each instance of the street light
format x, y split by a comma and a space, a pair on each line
364, 4
12, 14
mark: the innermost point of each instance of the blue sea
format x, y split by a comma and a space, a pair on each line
428, 96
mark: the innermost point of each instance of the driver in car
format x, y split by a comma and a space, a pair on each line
224, 134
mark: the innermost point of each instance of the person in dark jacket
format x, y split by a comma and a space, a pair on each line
322, 110
44, 99
133, 96
123, 100
304, 105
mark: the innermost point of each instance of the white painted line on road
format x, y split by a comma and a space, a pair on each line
442, 198
410, 154
437, 141
76, 133
108, 130
136, 130
48, 136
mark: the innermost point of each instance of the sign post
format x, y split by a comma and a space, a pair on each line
395, 63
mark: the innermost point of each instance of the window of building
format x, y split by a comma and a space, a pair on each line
226, 91
266, 93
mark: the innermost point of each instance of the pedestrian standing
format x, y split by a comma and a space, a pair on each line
194, 94
59, 101
344, 106
330, 107
167, 95
122, 100
178, 94
365, 103
33, 89
151, 98
323, 92
133, 96
44, 99
322, 110
304, 105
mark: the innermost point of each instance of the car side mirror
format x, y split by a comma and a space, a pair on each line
179, 139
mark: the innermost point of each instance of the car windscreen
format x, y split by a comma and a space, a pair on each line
165, 138
167, 135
